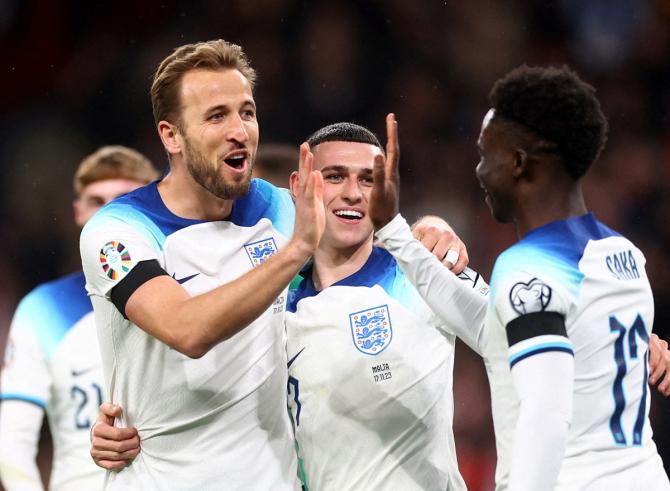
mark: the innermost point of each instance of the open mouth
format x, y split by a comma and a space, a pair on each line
236, 161
349, 215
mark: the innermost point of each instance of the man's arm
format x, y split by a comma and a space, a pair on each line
193, 325
455, 302
542, 364
25, 383
460, 307
20, 424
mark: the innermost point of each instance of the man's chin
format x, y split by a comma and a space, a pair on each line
231, 191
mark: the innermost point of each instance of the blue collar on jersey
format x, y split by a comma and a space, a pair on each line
262, 201
379, 269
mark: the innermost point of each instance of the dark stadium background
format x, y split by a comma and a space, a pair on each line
75, 76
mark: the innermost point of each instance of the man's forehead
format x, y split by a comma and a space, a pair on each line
213, 86
345, 153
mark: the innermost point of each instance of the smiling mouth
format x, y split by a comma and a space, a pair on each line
349, 215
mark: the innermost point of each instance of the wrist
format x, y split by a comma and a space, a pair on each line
299, 251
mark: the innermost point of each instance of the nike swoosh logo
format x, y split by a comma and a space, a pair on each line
290, 362
183, 280
77, 373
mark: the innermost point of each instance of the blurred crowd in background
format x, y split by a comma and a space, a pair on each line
75, 78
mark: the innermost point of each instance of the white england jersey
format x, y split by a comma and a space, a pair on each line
596, 279
218, 422
370, 383
53, 361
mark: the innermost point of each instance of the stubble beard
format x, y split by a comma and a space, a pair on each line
209, 178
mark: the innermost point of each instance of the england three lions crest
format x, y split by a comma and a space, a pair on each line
371, 329
261, 250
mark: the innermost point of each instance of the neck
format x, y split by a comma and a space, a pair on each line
551, 204
187, 199
332, 265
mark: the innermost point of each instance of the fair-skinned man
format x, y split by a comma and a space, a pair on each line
178, 268
347, 275
188, 280
52, 363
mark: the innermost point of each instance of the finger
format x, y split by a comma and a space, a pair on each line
430, 240
463, 258
392, 147
114, 456
112, 465
657, 371
450, 258
109, 409
379, 175
664, 386
308, 190
318, 186
655, 359
303, 171
116, 446
113, 433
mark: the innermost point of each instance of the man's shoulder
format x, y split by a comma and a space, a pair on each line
53, 307
68, 288
265, 200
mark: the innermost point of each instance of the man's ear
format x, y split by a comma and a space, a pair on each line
170, 137
293, 183
521, 163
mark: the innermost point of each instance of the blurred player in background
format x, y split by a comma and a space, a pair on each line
571, 308
52, 363
188, 281
275, 162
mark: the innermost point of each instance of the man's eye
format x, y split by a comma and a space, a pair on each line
367, 181
333, 178
215, 117
95, 202
249, 114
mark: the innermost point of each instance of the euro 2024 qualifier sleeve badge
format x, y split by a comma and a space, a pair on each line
115, 259
530, 297
371, 329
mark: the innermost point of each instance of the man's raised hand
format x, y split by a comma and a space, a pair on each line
310, 216
385, 195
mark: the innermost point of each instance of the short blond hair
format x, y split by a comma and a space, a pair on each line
114, 162
209, 55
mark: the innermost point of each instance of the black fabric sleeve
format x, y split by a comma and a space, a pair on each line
535, 324
139, 275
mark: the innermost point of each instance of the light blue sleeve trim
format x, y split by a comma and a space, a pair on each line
124, 213
536, 261
11, 396
540, 348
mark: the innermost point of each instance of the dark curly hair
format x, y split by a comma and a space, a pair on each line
344, 132
557, 106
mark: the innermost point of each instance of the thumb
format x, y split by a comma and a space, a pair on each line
110, 411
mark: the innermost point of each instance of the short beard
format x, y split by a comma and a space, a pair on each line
208, 177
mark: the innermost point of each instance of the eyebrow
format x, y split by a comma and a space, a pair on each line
226, 107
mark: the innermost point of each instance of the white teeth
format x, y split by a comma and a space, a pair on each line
237, 157
349, 213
